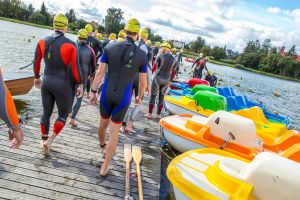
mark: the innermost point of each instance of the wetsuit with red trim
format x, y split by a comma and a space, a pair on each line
58, 53
200, 65
124, 60
8, 112
166, 63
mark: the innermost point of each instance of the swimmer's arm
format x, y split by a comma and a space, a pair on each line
75, 65
142, 84
38, 58
8, 112
99, 76
142, 80
93, 63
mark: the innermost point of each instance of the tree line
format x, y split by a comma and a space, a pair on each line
265, 57
113, 22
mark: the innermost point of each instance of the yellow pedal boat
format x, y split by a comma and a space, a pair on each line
268, 130
228, 131
212, 174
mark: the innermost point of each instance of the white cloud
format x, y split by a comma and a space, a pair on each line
274, 10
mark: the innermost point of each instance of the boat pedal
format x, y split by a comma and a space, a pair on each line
231, 137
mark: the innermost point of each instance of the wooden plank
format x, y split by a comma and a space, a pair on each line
72, 170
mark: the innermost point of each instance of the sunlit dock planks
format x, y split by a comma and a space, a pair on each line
72, 169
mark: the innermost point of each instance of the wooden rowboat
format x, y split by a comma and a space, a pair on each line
19, 86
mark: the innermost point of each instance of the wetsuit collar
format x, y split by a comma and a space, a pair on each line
59, 32
129, 39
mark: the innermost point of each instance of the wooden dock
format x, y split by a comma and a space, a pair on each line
72, 169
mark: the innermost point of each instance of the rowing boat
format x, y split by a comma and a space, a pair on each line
18, 85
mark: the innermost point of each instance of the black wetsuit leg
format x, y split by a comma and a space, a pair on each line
162, 92
55, 90
154, 92
88, 86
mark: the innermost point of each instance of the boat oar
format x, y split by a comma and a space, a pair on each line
25, 66
137, 157
127, 158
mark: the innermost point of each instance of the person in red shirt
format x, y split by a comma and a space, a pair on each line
59, 53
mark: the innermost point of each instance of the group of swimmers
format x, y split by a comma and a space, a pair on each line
127, 64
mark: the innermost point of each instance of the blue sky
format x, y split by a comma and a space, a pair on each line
220, 22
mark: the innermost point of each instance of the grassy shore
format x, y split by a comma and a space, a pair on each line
247, 69
32, 24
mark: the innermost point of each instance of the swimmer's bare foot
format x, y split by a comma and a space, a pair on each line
129, 127
72, 122
148, 115
122, 129
46, 148
103, 149
104, 170
158, 116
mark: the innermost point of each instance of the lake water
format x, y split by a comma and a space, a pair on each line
17, 47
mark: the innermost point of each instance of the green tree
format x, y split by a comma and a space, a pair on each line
71, 16
45, 13
197, 45
266, 46
206, 50
37, 18
249, 60
80, 23
218, 53
113, 19
252, 47
292, 52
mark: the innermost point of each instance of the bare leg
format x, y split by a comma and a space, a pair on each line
111, 147
47, 144
102, 130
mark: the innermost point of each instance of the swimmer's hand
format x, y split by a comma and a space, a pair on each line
93, 98
138, 100
16, 138
38, 83
79, 93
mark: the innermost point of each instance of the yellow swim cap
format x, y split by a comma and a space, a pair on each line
112, 36
89, 28
60, 21
201, 54
157, 44
132, 25
174, 50
82, 33
144, 33
122, 34
166, 45
120, 39
98, 36
148, 42
206, 58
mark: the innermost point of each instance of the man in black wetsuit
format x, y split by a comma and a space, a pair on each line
156, 50
87, 63
165, 65
97, 47
132, 115
200, 64
58, 53
123, 60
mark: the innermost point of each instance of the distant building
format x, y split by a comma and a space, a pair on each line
178, 44
285, 54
